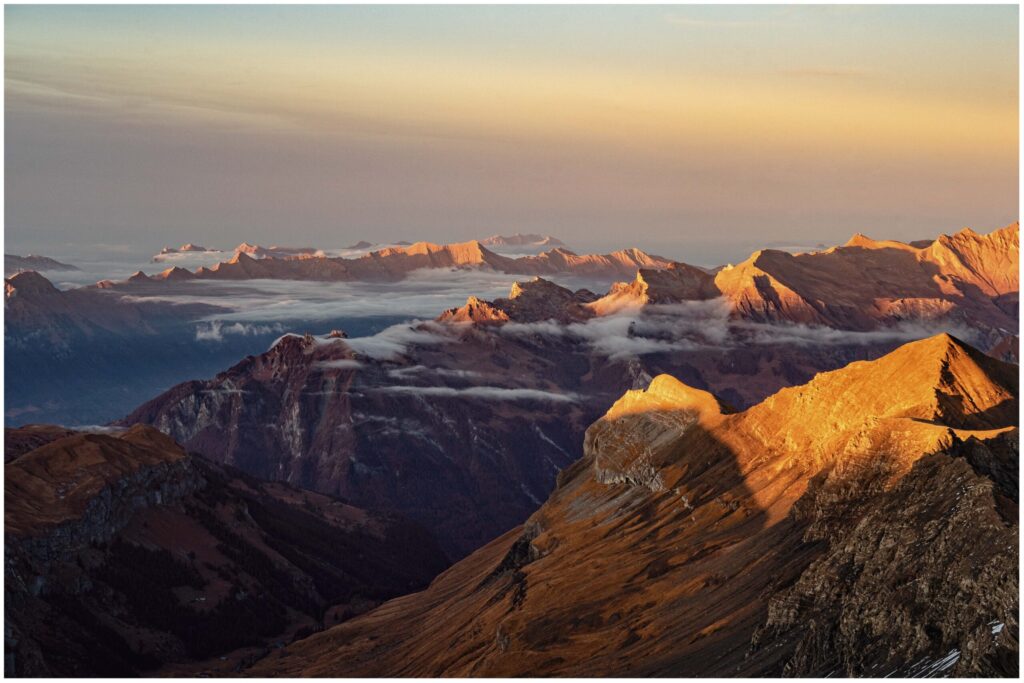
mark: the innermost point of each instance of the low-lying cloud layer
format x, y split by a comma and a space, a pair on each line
395, 340
422, 370
340, 364
689, 326
423, 293
697, 325
487, 393
216, 330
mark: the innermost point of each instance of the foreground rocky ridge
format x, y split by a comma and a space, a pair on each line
855, 525
125, 555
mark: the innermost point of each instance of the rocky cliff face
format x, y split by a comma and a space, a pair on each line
537, 300
902, 590
855, 525
125, 555
441, 431
867, 283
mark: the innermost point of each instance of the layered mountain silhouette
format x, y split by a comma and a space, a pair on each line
967, 279
15, 264
864, 523
36, 312
782, 485
125, 555
394, 263
83, 355
487, 403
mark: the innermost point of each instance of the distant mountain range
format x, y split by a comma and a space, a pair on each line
517, 243
863, 285
394, 263
15, 264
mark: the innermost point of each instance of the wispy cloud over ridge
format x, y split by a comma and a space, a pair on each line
487, 393
216, 330
339, 364
696, 325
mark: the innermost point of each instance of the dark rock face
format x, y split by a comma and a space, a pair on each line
404, 435
179, 560
919, 579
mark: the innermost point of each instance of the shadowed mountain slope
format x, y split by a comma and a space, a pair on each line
125, 555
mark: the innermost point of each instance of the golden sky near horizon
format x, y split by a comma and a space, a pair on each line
448, 122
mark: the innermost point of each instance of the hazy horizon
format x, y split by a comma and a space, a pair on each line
699, 133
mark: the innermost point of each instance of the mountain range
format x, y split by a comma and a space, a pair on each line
15, 264
862, 524
394, 263
804, 464
500, 392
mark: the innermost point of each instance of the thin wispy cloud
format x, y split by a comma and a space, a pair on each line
487, 393
339, 364
216, 330
698, 22
829, 73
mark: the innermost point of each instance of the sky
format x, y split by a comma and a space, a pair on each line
698, 133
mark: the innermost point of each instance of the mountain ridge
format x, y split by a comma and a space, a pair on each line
681, 542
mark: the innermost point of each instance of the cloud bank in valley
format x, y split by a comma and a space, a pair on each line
696, 325
423, 293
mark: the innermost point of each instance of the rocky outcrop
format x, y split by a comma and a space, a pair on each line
679, 282
901, 590
475, 311
862, 524
84, 488
434, 427
540, 299
276, 252
533, 301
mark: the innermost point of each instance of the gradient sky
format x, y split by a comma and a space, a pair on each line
696, 132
